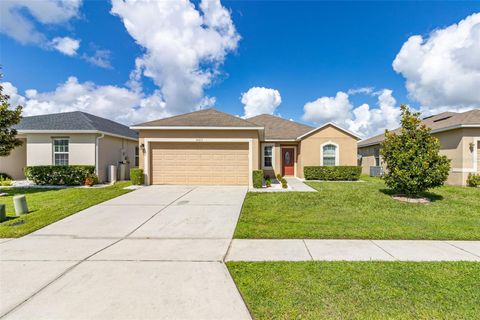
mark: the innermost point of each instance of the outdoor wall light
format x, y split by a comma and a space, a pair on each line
142, 146
472, 146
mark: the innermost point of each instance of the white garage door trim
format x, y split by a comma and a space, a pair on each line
147, 142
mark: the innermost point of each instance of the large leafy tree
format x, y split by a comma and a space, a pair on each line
414, 164
8, 118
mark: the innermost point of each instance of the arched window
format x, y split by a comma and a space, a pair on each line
329, 155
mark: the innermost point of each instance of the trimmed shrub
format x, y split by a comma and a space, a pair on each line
5, 176
279, 177
91, 179
59, 175
136, 176
257, 178
331, 173
473, 180
284, 183
5, 182
268, 181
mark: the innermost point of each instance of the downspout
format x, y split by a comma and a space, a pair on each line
96, 152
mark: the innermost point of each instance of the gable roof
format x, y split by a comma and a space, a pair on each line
356, 136
74, 121
441, 122
211, 118
277, 128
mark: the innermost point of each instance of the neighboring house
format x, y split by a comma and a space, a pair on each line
459, 136
212, 147
71, 138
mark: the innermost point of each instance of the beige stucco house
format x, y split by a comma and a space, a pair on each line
459, 136
213, 147
71, 138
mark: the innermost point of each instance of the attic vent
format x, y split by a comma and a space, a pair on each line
441, 119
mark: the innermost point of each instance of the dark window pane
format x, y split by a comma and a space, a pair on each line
137, 159
61, 159
267, 162
268, 151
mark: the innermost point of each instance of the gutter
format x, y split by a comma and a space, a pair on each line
193, 128
76, 131
97, 139
368, 144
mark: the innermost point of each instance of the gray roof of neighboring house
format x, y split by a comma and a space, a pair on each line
440, 122
201, 118
75, 120
277, 128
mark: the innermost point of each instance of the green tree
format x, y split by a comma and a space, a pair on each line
414, 164
8, 118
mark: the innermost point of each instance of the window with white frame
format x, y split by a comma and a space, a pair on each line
329, 155
60, 151
267, 156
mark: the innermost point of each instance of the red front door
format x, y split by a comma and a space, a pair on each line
288, 161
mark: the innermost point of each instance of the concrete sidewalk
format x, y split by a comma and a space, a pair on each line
352, 250
155, 253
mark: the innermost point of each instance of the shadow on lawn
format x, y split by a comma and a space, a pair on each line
12, 220
430, 195
16, 191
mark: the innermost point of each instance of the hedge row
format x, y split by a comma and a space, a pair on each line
332, 173
59, 175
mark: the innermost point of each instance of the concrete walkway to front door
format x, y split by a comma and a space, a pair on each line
155, 253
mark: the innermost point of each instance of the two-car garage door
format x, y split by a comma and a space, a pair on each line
204, 163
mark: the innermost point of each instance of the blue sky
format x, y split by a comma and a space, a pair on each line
296, 52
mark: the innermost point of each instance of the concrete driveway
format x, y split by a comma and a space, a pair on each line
155, 253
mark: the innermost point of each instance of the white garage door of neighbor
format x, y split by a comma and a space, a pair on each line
200, 163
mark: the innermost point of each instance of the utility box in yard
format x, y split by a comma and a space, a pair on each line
112, 173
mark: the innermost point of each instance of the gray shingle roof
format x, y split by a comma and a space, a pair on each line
277, 128
439, 122
201, 118
75, 120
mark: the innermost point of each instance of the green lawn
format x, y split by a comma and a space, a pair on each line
49, 205
360, 210
359, 290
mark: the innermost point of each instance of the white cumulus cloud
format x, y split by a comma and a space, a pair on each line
184, 46
19, 26
369, 121
260, 100
364, 120
100, 58
442, 70
15, 98
362, 90
66, 45
326, 109
112, 102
